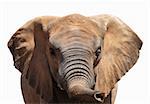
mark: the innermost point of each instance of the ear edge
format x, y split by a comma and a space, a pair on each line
17, 46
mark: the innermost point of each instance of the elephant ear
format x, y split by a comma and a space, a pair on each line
32, 56
119, 52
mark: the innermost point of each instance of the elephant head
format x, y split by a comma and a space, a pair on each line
85, 56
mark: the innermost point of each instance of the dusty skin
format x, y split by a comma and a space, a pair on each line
73, 59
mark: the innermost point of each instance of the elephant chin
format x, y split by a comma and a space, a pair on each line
78, 90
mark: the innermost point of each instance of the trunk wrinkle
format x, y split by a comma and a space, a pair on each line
78, 63
75, 71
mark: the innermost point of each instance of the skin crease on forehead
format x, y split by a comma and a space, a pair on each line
75, 36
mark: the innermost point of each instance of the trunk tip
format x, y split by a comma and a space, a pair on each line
99, 96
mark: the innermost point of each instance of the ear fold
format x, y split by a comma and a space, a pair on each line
38, 74
31, 52
120, 51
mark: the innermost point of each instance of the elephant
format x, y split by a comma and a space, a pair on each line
73, 58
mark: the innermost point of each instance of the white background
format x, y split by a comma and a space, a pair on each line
133, 88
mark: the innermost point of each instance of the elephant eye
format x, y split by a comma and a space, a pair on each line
98, 51
97, 54
54, 51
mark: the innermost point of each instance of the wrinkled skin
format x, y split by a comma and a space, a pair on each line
73, 59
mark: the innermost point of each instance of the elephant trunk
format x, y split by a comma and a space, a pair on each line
78, 73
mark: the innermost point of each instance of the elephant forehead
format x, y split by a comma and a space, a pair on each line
73, 36
74, 21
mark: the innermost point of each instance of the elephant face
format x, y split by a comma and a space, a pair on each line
85, 56
80, 50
